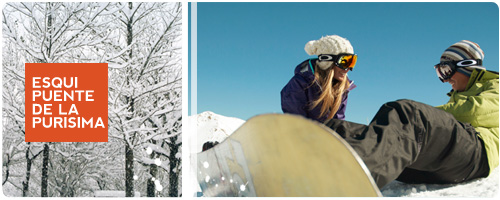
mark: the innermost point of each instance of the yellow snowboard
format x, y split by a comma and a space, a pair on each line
282, 155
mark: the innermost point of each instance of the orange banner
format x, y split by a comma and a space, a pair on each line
66, 102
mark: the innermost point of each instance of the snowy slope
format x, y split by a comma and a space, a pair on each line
214, 127
207, 126
486, 187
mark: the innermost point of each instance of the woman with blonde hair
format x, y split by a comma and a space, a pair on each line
320, 86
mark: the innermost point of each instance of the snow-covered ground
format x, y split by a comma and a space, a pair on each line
214, 127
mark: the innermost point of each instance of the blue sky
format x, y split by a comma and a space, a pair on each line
246, 52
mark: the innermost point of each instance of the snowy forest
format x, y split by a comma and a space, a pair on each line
141, 42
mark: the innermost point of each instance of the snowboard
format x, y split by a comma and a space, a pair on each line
283, 155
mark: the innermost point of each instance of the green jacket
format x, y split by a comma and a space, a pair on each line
478, 105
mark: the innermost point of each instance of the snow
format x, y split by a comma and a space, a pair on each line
111, 193
485, 187
214, 127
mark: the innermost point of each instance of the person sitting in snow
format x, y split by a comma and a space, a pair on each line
416, 143
320, 86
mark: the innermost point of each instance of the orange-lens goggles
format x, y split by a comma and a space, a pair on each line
344, 61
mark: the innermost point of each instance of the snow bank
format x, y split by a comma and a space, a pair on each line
484, 187
113, 193
213, 127
207, 126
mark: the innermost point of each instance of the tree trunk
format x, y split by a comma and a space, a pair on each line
173, 190
7, 171
129, 171
45, 170
28, 173
29, 163
129, 151
153, 171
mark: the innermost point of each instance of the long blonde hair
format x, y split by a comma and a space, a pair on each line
331, 94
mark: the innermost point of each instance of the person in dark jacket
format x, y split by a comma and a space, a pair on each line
320, 86
416, 143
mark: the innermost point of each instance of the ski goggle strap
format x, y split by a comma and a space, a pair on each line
446, 69
344, 61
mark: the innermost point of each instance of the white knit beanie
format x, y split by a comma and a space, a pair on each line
331, 44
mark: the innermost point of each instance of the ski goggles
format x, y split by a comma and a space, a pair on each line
344, 61
446, 69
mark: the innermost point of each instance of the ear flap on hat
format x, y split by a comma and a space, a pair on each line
324, 65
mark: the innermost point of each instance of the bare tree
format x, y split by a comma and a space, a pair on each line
145, 69
48, 33
13, 116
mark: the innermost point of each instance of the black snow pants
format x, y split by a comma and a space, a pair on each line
416, 143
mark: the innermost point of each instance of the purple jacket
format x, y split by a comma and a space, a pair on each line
299, 93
